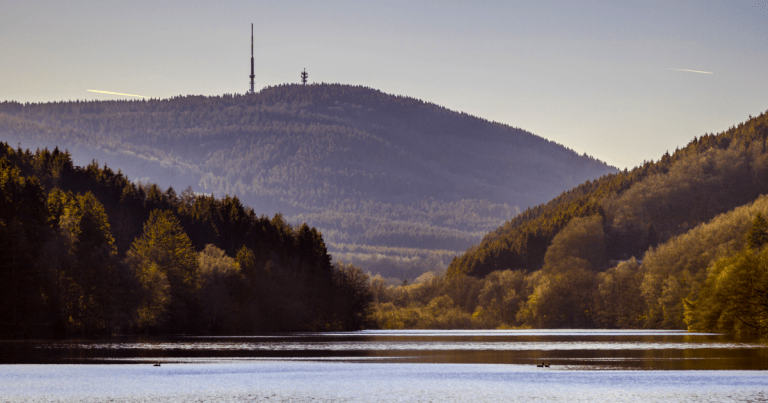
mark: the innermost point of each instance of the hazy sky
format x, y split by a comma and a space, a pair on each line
596, 76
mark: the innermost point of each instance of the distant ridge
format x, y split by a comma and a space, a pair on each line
393, 182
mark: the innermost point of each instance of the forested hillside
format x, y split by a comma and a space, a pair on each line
85, 251
389, 180
639, 208
674, 244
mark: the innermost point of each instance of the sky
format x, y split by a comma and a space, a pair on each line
606, 78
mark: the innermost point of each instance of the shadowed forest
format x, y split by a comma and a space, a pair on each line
86, 252
392, 182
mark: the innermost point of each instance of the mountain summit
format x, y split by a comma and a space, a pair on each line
378, 174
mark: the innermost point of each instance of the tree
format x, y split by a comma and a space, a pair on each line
734, 298
220, 274
304, 77
164, 253
617, 303
90, 279
27, 286
757, 236
582, 239
560, 300
354, 297
502, 295
154, 296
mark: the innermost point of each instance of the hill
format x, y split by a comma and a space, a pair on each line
640, 208
389, 180
673, 244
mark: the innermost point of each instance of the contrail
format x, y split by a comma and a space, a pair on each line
692, 71
117, 93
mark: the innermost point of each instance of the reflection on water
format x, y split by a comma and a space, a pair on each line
561, 349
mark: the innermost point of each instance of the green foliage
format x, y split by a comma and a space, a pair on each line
164, 253
616, 300
101, 255
581, 240
502, 296
440, 313
734, 298
435, 301
560, 300
92, 275
220, 277
676, 269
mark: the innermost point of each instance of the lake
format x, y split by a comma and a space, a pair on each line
478, 366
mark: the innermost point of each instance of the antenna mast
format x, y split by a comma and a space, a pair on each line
252, 75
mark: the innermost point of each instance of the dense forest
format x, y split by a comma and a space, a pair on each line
86, 252
639, 208
673, 244
372, 171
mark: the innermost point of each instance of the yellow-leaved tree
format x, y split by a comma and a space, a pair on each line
734, 298
165, 263
221, 280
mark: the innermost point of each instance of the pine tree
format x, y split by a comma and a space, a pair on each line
88, 287
304, 77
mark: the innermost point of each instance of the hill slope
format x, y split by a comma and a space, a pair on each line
376, 173
639, 208
673, 244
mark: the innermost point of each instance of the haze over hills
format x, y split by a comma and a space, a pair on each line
389, 180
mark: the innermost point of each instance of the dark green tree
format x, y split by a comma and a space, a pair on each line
89, 278
27, 286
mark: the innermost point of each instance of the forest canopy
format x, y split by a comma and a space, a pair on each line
86, 252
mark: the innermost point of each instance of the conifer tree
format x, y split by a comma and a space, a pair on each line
757, 236
304, 77
88, 289
23, 232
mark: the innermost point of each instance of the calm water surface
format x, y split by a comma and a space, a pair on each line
391, 366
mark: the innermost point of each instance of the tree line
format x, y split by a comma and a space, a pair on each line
713, 278
88, 252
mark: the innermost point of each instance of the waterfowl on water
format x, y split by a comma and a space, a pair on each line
157, 365
540, 365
